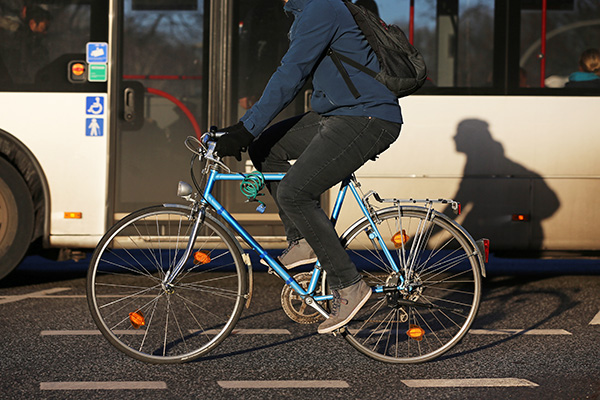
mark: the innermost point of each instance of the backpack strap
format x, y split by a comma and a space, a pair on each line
337, 59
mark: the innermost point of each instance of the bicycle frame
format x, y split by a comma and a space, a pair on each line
214, 176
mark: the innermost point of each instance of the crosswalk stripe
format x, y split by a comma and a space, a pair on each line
596, 319
281, 384
478, 382
519, 332
115, 385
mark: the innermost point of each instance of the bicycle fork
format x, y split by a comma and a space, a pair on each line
198, 214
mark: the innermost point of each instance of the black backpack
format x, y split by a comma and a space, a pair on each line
403, 69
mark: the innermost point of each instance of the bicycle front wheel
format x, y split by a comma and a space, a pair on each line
440, 267
151, 321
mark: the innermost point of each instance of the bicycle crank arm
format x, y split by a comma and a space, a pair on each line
312, 303
410, 303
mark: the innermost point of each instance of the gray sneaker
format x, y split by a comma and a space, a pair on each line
346, 303
298, 253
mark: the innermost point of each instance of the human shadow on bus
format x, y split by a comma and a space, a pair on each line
501, 199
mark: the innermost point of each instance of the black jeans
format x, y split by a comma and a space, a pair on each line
326, 150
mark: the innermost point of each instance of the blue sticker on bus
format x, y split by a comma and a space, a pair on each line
94, 105
96, 52
94, 127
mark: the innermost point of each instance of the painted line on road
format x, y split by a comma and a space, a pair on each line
596, 319
281, 384
116, 385
478, 382
39, 294
519, 332
85, 332
248, 331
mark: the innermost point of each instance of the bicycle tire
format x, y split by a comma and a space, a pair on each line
144, 319
442, 299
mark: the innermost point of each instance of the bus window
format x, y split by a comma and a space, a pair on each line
39, 39
455, 36
553, 39
162, 55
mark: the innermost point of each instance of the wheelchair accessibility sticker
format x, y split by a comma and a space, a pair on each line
94, 127
94, 105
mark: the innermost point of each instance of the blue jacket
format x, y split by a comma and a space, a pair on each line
583, 79
318, 25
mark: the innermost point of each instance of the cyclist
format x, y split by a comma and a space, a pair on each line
330, 143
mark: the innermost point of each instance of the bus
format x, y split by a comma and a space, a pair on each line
97, 97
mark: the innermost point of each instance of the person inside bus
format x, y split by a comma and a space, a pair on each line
329, 143
588, 75
28, 51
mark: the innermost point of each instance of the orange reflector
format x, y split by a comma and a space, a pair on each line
520, 217
400, 238
137, 319
201, 257
73, 215
415, 332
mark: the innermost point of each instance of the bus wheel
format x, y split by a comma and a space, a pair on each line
16, 218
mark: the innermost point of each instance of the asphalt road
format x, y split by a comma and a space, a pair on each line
537, 335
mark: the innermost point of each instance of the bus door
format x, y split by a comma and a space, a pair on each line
157, 96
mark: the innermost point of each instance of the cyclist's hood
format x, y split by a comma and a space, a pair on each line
295, 6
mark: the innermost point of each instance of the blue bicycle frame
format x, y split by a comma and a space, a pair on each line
208, 198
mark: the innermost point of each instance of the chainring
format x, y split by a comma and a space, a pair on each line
295, 307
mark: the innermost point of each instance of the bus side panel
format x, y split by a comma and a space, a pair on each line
501, 156
70, 143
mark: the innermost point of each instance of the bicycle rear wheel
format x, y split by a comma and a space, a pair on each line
148, 320
442, 291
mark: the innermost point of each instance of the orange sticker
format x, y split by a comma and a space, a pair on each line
78, 69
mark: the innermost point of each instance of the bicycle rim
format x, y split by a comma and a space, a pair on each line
152, 322
442, 293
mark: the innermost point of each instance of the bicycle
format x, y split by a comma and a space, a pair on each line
167, 284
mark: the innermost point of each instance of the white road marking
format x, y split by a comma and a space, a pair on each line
116, 385
249, 332
519, 332
480, 382
40, 294
281, 384
84, 332
596, 319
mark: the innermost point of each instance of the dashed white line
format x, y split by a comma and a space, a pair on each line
41, 293
86, 332
478, 382
596, 319
519, 332
281, 384
115, 385
249, 332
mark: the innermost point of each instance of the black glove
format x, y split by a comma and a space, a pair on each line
234, 142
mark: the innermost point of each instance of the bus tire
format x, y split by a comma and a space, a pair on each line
16, 217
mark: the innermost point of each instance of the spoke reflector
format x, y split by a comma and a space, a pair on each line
137, 319
415, 332
201, 257
400, 238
